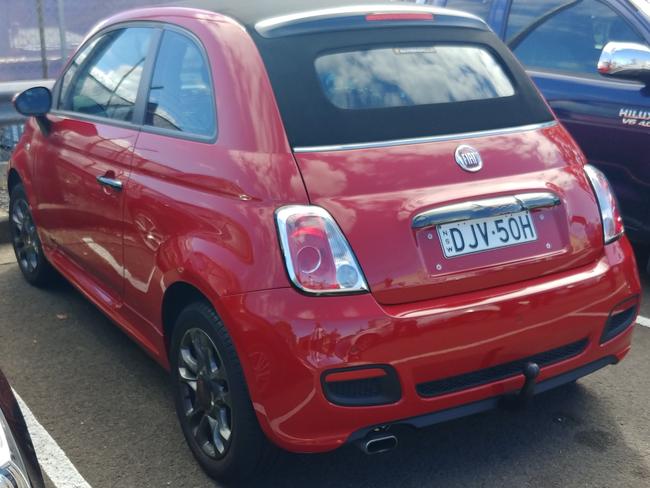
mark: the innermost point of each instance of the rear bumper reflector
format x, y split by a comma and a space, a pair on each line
362, 386
621, 317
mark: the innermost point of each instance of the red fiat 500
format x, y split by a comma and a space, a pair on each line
326, 224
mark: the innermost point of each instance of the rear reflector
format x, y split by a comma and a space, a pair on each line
362, 386
620, 318
355, 374
399, 16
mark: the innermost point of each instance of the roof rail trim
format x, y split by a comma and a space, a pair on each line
423, 140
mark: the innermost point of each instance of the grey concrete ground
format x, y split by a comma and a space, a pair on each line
108, 406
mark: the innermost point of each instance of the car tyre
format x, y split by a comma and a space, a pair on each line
212, 400
26, 243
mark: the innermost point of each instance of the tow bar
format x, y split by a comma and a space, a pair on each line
522, 398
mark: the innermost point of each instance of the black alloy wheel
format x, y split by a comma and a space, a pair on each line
26, 243
213, 404
206, 393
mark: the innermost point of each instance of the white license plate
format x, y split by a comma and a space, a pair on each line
478, 235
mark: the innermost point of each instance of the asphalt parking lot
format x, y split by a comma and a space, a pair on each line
108, 408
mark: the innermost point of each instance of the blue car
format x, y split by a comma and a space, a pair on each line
561, 43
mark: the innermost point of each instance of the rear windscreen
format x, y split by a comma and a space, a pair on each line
407, 76
383, 84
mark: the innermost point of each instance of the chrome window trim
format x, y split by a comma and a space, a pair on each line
490, 207
423, 140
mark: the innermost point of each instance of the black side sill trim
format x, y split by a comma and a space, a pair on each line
487, 404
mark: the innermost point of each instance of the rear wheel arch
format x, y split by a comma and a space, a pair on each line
228, 403
176, 298
179, 295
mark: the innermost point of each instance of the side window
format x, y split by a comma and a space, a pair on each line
480, 8
181, 97
524, 13
74, 68
107, 84
569, 37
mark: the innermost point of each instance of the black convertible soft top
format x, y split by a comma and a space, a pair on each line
291, 45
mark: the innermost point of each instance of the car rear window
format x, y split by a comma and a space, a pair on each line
407, 76
392, 83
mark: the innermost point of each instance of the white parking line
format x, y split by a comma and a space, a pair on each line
644, 321
53, 460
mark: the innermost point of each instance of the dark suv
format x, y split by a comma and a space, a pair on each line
561, 42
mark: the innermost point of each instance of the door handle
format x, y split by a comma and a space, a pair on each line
110, 182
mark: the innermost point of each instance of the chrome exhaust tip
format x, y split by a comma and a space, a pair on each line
378, 444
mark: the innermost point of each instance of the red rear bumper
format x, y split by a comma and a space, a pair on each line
287, 341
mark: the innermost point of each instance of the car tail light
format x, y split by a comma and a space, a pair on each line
317, 256
609, 212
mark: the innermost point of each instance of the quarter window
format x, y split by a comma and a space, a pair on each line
565, 36
181, 95
107, 82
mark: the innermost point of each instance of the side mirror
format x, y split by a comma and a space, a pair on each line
625, 60
36, 102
